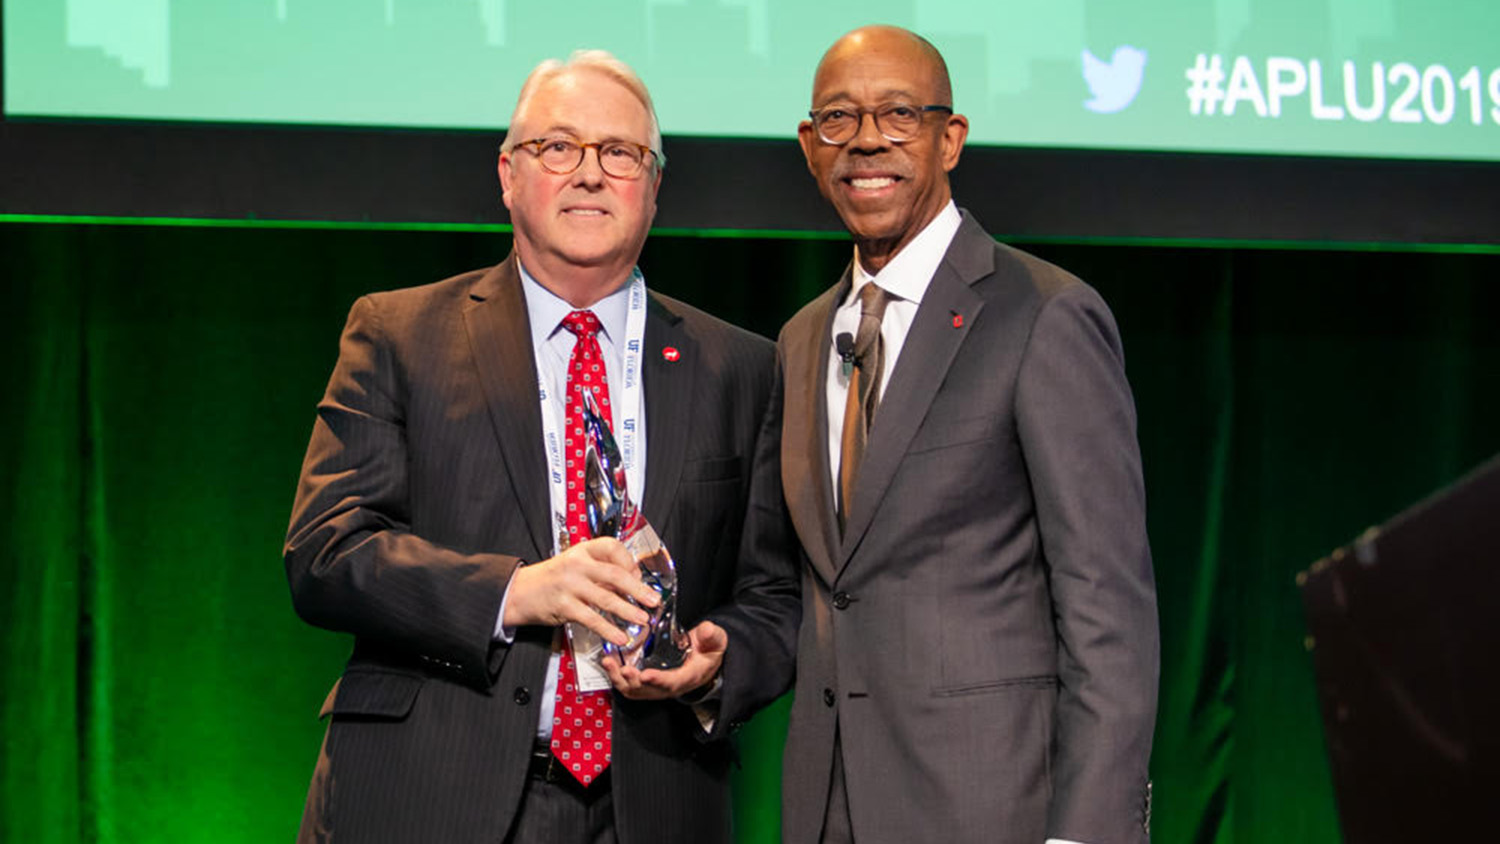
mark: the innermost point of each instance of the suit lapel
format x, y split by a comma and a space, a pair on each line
500, 337
669, 362
805, 471
948, 310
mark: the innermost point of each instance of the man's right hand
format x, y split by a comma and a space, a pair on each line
577, 585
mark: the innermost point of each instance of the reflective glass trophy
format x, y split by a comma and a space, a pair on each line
659, 643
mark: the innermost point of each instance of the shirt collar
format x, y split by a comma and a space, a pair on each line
910, 271
546, 309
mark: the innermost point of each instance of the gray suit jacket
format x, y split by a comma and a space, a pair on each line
983, 636
423, 488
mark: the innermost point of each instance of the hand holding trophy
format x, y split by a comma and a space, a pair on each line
659, 643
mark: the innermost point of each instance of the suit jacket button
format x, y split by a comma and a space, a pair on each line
522, 696
841, 600
828, 697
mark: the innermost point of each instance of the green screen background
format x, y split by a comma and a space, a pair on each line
156, 686
742, 67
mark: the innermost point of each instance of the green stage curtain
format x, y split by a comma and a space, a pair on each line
158, 687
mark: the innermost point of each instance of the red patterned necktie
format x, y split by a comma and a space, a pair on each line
581, 721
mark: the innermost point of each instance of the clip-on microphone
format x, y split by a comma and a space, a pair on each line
844, 344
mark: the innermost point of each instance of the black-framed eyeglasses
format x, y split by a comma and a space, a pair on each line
896, 122
621, 159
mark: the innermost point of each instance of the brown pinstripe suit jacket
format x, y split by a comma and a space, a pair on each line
424, 486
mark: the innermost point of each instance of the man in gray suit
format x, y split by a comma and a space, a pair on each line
440, 475
977, 659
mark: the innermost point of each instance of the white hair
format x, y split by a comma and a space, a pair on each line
601, 61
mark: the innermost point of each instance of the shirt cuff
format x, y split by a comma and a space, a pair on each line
705, 703
503, 633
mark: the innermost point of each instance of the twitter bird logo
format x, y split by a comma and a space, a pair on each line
1115, 83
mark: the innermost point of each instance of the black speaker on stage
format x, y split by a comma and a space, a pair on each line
1404, 630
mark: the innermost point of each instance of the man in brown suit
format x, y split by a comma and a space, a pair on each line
439, 477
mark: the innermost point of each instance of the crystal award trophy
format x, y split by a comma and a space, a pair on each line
660, 642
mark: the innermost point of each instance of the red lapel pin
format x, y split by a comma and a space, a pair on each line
671, 354
958, 320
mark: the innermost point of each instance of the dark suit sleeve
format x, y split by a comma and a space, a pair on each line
763, 620
352, 561
1076, 423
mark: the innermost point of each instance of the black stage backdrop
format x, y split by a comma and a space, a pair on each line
157, 686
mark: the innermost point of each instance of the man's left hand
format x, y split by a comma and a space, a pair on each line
709, 642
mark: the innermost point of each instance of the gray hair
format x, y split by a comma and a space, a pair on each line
601, 61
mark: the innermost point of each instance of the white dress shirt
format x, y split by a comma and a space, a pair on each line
553, 346
905, 278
